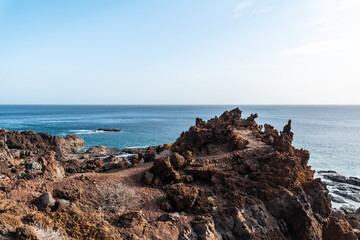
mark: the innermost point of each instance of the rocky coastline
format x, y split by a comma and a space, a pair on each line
227, 178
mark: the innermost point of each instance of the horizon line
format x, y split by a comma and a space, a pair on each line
230, 104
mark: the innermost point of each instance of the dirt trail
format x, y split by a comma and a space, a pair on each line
131, 177
249, 136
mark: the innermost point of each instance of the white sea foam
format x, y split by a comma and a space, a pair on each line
85, 131
124, 155
134, 147
57, 121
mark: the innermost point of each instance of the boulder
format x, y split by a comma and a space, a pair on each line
44, 201
177, 161
162, 167
149, 155
183, 196
148, 177
236, 142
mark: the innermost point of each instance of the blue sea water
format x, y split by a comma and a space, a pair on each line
330, 133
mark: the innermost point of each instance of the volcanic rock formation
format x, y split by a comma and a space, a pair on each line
227, 178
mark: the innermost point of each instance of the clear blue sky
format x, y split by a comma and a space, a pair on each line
180, 52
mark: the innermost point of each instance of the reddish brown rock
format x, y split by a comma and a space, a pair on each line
52, 168
149, 154
259, 175
236, 142
177, 161
162, 167
148, 177
215, 135
183, 196
338, 228
235, 182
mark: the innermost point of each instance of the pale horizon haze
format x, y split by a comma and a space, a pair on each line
180, 52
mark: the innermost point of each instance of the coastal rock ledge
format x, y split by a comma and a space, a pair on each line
227, 178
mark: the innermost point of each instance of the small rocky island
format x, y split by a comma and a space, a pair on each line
108, 130
227, 178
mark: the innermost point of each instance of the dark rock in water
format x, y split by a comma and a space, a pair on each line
109, 129
326, 171
342, 179
44, 201
352, 196
337, 199
348, 209
346, 187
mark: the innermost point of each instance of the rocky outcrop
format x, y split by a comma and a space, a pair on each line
108, 130
72, 144
227, 178
27, 144
345, 191
102, 151
217, 134
250, 184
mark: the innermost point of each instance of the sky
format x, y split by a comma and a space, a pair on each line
180, 52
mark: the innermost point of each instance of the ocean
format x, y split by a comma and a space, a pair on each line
330, 133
